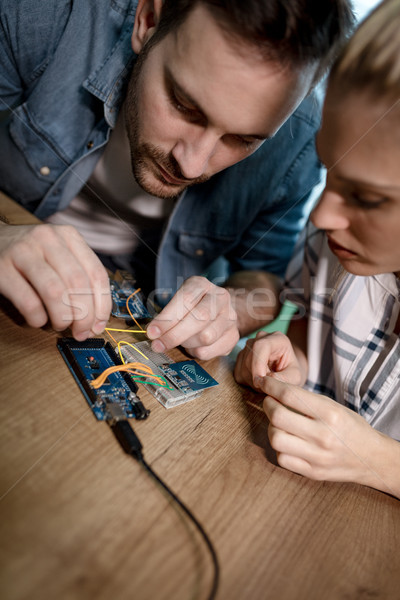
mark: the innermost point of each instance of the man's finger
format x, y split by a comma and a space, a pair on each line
48, 285
222, 347
202, 326
15, 287
185, 299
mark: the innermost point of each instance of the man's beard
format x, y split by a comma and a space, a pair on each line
145, 156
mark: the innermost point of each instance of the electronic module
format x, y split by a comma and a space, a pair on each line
123, 290
117, 398
185, 379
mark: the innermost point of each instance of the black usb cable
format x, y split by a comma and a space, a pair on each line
133, 446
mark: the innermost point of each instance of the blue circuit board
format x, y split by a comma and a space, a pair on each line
117, 396
120, 292
188, 376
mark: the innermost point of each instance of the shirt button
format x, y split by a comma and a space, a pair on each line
90, 145
44, 171
199, 252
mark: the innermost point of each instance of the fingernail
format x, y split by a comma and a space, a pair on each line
98, 327
153, 331
257, 381
157, 346
83, 335
279, 377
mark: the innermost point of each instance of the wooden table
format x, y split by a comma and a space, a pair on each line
82, 520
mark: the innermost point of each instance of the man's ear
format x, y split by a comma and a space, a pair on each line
146, 20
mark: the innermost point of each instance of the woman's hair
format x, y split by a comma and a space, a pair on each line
370, 61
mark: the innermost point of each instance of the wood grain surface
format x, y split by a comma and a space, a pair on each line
81, 520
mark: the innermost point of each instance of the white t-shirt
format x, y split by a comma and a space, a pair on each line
112, 209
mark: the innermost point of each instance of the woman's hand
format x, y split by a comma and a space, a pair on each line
321, 439
266, 354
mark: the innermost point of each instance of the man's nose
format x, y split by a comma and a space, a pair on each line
331, 212
194, 152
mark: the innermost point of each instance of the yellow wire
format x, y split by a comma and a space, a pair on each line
134, 368
111, 336
146, 368
129, 310
126, 330
132, 346
140, 330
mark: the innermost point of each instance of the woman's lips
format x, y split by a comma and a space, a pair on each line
340, 251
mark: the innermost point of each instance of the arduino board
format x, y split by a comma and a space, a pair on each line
117, 398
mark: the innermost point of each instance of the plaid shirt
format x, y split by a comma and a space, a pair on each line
353, 352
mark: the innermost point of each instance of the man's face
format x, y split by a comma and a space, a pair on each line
200, 102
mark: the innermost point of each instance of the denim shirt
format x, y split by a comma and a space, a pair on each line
64, 68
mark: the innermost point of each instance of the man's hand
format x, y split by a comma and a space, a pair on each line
255, 297
321, 439
266, 354
200, 317
49, 272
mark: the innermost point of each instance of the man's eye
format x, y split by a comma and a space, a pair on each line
243, 141
366, 202
181, 107
248, 143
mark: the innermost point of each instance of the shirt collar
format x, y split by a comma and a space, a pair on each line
389, 282
108, 81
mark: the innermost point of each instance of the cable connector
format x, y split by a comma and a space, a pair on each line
138, 408
132, 446
127, 438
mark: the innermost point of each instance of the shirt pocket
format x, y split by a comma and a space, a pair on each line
203, 249
39, 151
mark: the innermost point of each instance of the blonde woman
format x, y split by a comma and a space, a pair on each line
333, 384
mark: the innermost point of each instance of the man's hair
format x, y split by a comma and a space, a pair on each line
370, 61
293, 33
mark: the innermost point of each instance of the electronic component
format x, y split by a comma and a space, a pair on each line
122, 286
186, 379
116, 399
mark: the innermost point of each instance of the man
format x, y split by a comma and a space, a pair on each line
209, 81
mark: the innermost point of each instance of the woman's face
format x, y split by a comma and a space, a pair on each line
359, 143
